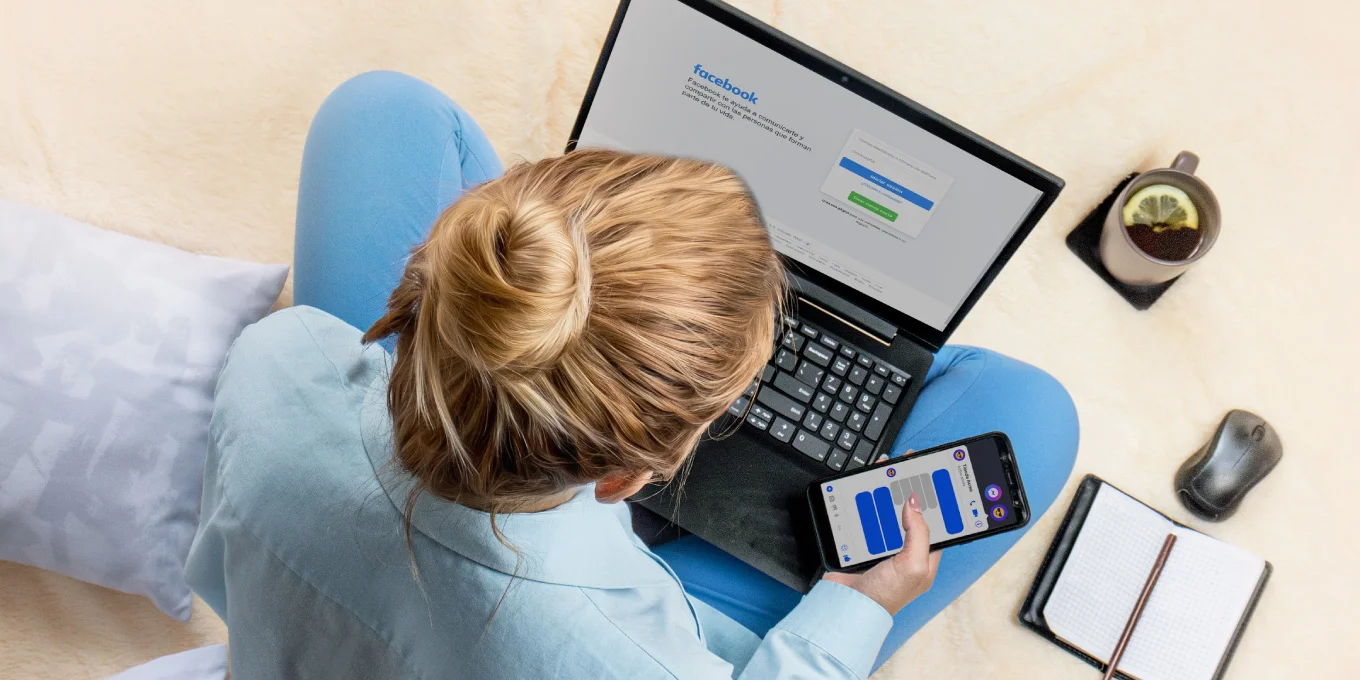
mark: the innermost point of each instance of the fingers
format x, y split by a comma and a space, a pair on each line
934, 564
883, 456
916, 547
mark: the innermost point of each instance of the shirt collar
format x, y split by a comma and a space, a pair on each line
582, 542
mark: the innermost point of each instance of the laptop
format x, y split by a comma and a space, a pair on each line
891, 220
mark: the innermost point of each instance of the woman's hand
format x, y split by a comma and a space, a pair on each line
901, 578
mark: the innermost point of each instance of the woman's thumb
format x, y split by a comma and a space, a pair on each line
916, 543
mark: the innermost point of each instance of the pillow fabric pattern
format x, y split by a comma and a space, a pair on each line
109, 351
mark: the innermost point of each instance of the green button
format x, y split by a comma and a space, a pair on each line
872, 207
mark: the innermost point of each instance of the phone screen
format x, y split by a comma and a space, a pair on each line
963, 490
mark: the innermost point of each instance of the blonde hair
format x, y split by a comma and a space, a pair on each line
579, 316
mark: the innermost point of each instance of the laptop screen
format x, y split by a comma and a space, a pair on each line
846, 187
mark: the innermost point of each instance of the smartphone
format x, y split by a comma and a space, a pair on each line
969, 489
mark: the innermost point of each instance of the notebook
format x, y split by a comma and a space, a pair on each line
1096, 569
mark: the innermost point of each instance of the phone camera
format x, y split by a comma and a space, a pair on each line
845, 79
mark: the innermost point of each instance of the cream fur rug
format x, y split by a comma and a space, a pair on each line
184, 123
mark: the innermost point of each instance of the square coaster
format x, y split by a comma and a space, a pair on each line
1084, 242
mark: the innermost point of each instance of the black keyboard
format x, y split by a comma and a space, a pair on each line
823, 397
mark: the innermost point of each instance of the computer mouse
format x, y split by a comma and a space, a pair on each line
1244, 449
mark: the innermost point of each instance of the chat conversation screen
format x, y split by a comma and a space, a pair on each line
865, 510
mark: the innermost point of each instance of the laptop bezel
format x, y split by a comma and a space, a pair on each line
1046, 183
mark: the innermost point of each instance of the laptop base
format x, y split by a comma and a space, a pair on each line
746, 493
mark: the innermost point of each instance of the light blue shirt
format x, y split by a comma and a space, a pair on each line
301, 550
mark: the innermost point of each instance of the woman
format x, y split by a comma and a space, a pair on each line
562, 335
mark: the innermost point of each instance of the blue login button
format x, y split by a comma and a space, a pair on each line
887, 185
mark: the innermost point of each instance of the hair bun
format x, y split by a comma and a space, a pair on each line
512, 280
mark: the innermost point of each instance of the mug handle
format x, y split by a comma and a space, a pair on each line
1186, 162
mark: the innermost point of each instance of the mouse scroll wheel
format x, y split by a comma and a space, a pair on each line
1258, 433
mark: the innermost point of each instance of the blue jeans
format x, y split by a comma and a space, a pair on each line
386, 153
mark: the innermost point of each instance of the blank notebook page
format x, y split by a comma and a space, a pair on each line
1194, 609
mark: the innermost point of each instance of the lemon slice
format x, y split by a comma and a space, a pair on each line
1162, 207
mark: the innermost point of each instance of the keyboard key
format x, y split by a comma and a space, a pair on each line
767, 373
813, 420
832, 384
840, 366
751, 389
865, 403
758, 423
847, 352
877, 421
899, 379
847, 440
829, 431
781, 404
738, 407
873, 385
822, 402
793, 387
857, 375
809, 373
839, 412
793, 341
762, 413
837, 459
881, 370
810, 445
848, 394
856, 421
892, 393
786, 360
782, 430
865, 361
830, 342
818, 354
809, 331
862, 454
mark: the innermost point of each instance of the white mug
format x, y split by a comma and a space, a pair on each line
1129, 263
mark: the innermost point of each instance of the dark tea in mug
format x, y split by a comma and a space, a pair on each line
1172, 245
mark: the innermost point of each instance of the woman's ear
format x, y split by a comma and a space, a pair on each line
617, 486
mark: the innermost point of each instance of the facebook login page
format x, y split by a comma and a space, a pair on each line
846, 187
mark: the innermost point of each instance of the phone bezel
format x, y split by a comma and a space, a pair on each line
822, 523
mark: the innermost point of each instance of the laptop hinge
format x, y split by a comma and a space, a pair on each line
843, 310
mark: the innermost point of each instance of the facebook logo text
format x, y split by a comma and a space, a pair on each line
749, 96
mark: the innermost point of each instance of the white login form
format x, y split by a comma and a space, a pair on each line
885, 185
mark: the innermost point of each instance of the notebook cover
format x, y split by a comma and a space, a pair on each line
1032, 610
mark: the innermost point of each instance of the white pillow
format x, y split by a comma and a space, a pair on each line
109, 351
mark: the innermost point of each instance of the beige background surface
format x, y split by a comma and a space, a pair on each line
184, 123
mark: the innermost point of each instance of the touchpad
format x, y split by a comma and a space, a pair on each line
749, 500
